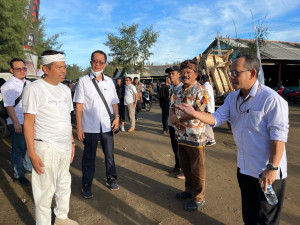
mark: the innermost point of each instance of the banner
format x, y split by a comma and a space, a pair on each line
33, 14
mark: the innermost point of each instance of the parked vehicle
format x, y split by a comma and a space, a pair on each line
290, 95
3, 126
147, 101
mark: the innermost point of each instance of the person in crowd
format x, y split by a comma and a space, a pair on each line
139, 102
191, 136
120, 88
204, 80
47, 105
11, 93
260, 124
94, 122
174, 75
130, 101
164, 101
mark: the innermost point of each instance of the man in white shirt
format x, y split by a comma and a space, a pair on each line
210, 108
94, 124
47, 104
130, 101
259, 121
11, 93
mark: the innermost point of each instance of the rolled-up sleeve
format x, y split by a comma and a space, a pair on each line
277, 119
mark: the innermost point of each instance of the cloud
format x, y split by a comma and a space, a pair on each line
105, 9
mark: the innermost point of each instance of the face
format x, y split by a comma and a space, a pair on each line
136, 81
98, 62
19, 70
244, 78
188, 76
174, 76
127, 81
57, 72
119, 82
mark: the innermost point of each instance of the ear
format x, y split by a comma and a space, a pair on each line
253, 74
45, 69
11, 71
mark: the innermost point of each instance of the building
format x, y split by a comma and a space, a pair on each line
280, 60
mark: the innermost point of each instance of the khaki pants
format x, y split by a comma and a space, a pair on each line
56, 179
130, 110
192, 164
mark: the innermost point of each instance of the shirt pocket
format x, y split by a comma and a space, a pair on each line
255, 121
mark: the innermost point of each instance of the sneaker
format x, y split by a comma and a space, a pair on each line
173, 170
122, 128
86, 191
210, 143
180, 176
112, 184
22, 181
27, 172
66, 221
192, 205
184, 195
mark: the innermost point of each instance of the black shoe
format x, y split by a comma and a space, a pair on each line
210, 143
192, 205
86, 191
184, 195
112, 184
27, 172
22, 181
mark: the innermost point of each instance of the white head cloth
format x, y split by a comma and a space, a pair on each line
47, 59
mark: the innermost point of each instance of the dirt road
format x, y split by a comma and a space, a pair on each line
147, 191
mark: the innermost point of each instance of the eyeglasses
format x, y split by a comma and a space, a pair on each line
235, 74
96, 62
20, 69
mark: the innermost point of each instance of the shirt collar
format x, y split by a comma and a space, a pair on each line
92, 76
18, 80
253, 90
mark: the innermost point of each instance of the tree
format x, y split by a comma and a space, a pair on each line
12, 23
130, 50
74, 72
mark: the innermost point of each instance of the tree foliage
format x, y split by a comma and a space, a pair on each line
12, 35
130, 49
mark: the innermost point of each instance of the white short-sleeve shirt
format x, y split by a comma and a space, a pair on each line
51, 105
10, 91
130, 91
94, 110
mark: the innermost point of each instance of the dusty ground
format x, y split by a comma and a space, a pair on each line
147, 191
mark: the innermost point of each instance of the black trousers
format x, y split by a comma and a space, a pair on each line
122, 112
255, 208
174, 144
89, 155
165, 115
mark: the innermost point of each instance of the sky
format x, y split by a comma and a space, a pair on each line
187, 27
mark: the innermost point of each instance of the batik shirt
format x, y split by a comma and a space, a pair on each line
194, 133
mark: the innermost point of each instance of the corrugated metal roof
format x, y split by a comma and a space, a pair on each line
155, 70
271, 49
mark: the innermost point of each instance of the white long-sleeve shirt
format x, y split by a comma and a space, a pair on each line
264, 117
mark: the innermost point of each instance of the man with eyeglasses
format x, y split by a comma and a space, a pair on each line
94, 124
11, 92
130, 101
191, 135
259, 121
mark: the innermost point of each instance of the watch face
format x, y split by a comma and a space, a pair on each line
271, 167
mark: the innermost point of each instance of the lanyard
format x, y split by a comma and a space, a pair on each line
245, 100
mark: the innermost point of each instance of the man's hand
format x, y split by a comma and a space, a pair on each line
18, 128
176, 122
134, 105
267, 177
80, 133
115, 124
187, 109
37, 164
73, 153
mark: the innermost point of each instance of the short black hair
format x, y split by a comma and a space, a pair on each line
11, 63
205, 78
119, 78
136, 78
251, 62
129, 78
100, 52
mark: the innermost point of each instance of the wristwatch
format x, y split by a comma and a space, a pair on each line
117, 115
271, 167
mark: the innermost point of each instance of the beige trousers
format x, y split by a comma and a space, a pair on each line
130, 110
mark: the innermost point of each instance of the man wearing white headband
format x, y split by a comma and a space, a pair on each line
47, 105
94, 123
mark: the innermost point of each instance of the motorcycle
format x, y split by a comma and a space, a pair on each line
147, 101
289, 94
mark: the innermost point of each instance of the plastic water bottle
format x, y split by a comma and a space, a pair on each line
270, 194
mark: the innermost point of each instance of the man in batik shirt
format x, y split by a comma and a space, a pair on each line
191, 136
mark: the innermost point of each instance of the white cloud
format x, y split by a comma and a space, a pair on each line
105, 9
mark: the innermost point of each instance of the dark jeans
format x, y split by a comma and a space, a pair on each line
138, 108
165, 115
89, 154
255, 208
192, 164
18, 156
174, 144
122, 112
